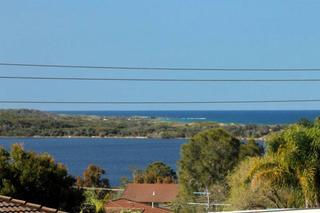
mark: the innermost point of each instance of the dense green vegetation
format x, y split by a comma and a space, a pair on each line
291, 166
29, 123
212, 154
156, 172
37, 178
284, 175
205, 163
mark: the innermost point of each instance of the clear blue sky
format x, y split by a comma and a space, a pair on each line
206, 33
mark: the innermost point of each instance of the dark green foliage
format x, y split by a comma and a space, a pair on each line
207, 159
305, 122
157, 172
36, 123
250, 149
37, 178
5, 171
94, 202
88, 208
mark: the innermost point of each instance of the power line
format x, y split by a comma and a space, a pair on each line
158, 102
157, 79
248, 69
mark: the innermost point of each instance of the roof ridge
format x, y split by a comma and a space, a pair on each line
141, 203
161, 193
27, 204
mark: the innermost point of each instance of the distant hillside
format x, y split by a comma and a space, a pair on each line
30, 123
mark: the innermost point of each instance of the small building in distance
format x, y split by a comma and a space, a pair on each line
122, 204
155, 195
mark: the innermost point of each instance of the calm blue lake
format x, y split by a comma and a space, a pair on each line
117, 156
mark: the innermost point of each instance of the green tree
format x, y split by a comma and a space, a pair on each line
37, 178
94, 199
93, 177
305, 122
94, 203
293, 160
206, 160
157, 172
250, 149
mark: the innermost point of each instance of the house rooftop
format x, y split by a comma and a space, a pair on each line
147, 193
275, 211
11, 205
125, 204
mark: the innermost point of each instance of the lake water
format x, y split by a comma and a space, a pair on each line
117, 156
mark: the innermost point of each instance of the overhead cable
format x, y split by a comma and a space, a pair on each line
158, 102
141, 68
158, 79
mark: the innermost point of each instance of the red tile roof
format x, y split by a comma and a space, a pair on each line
147, 193
10, 205
125, 204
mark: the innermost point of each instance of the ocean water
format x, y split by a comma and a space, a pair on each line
117, 156
243, 116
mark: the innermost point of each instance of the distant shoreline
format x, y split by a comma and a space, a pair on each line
245, 117
37, 124
84, 137
93, 137
97, 137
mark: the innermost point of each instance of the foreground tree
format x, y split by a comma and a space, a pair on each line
157, 172
292, 160
250, 149
260, 195
37, 178
205, 161
94, 199
94, 203
93, 177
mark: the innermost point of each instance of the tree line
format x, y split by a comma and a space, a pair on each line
30, 123
283, 174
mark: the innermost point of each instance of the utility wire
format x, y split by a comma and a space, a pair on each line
157, 79
247, 69
159, 102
